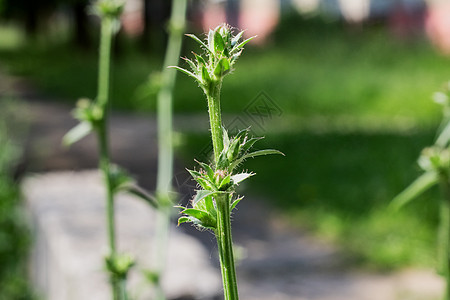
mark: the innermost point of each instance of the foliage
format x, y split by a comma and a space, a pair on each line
14, 233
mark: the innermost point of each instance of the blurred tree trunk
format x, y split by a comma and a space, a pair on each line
81, 25
156, 14
31, 20
232, 10
145, 39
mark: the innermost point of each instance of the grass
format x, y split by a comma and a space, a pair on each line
321, 69
356, 109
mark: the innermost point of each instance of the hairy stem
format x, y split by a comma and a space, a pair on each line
165, 136
215, 119
444, 234
225, 245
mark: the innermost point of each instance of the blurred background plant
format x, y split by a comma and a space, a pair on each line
15, 235
353, 90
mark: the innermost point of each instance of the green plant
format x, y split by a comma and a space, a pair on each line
435, 163
165, 140
216, 198
15, 236
93, 116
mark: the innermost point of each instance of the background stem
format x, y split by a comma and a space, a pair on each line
444, 234
225, 245
103, 137
104, 62
165, 137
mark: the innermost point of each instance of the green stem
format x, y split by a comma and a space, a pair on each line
104, 61
225, 245
213, 97
102, 131
123, 289
165, 137
444, 233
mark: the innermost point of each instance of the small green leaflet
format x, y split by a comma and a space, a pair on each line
77, 133
420, 185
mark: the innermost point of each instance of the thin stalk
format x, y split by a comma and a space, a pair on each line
444, 234
118, 289
165, 136
225, 245
104, 65
215, 119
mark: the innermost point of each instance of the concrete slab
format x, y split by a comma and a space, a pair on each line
67, 211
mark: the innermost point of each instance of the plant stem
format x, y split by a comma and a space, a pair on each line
444, 233
104, 62
213, 97
165, 136
225, 245
223, 231
118, 289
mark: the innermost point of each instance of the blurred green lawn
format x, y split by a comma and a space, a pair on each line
337, 182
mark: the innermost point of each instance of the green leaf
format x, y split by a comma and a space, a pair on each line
235, 148
226, 139
201, 194
241, 134
194, 173
206, 79
222, 68
195, 38
204, 182
241, 177
185, 219
236, 48
209, 204
251, 155
140, 193
190, 63
219, 44
184, 71
211, 41
203, 217
444, 136
236, 39
196, 213
225, 183
249, 143
200, 59
77, 133
420, 185
223, 160
209, 171
235, 202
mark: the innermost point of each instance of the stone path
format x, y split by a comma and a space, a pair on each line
276, 262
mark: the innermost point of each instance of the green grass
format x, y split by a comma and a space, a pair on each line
309, 69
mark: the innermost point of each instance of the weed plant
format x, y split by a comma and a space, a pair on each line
93, 116
216, 198
435, 163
